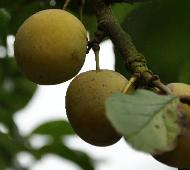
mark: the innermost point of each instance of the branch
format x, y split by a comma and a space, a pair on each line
134, 61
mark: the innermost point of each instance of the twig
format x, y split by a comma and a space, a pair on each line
130, 83
66, 4
135, 62
81, 4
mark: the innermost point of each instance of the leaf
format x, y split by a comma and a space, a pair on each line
122, 10
24, 9
87, 8
160, 30
15, 90
4, 17
78, 157
3, 162
89, 19
57, 129
8, 149
148, 121
4, 23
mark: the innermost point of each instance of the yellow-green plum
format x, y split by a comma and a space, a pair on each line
179, 157
50, 46
85, 105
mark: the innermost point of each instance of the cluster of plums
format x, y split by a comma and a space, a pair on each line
50, 48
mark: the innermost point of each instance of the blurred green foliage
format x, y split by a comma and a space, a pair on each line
160, 30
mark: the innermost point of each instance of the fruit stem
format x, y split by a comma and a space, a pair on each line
94, 44
66, 4
157, 83
129, 84
97, 59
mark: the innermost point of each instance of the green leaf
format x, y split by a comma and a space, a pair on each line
87, 9
15, 90
122, 10
160, 30
7, 147
24, 9
57, 129
148, 121
90, 24
78, 157
5, 18
3, 162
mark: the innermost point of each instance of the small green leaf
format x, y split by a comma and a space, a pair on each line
15, 90
5, 18
87, 8
4, 15
8, 149
121, 10
148, 121
22, 11
57, 128
3, 162
78, 157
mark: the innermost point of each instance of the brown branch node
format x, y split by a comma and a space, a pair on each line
94, 43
